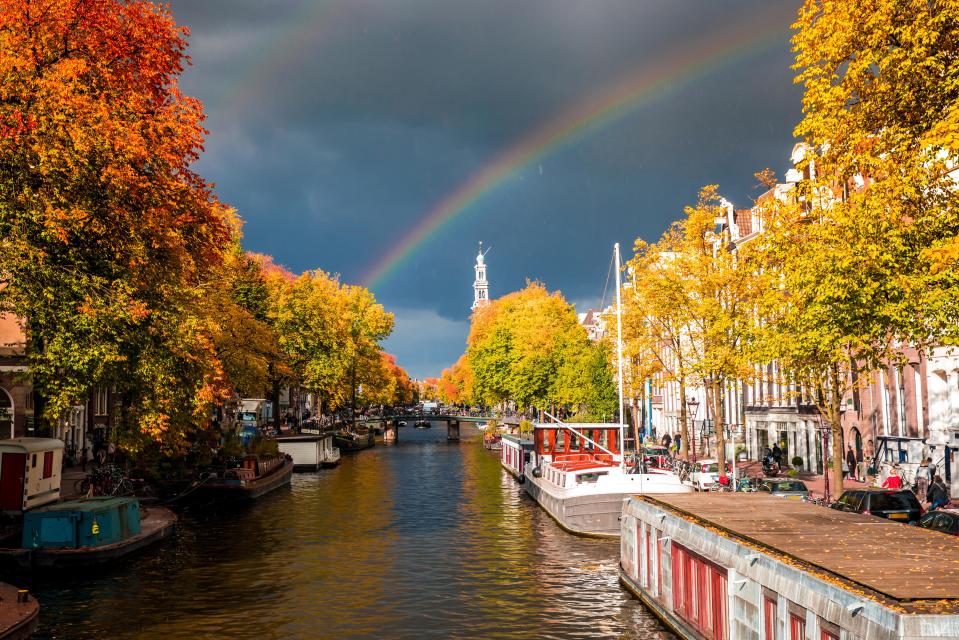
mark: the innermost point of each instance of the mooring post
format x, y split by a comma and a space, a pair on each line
452, 430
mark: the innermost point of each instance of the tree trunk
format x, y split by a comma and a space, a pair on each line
684, 425
835, 420
719, 420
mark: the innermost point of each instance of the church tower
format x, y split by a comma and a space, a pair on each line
480, 285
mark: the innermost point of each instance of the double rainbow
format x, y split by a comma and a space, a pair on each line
694, 61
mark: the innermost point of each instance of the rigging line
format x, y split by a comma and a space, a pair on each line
602, 304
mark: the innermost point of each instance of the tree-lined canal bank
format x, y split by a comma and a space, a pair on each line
424, 539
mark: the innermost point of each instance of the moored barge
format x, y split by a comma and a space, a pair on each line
730, 566
577, 474
349, 441
255, 477
86, 533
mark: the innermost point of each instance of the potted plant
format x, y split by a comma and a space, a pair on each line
797, 462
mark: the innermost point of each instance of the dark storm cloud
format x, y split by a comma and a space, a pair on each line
336, 126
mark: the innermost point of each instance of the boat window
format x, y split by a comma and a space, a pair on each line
589, 477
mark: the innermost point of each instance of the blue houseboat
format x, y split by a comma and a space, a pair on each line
80, 533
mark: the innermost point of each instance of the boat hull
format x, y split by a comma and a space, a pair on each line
594, 515
159, 523
348, 445
216, 493
18, 620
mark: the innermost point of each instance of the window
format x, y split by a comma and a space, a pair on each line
33, 462
902, 401
797, 627
828, 634
47, 464
100, 402
769, 619
699, 593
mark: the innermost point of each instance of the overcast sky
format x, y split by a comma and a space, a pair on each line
336, 126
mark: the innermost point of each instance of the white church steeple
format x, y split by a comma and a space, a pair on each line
480, 285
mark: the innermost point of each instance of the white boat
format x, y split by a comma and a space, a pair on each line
310, 450
577, 472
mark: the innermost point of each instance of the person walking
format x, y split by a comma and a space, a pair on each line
777, 454
894, 481
851, 462
938, 493
923, 477
667, 440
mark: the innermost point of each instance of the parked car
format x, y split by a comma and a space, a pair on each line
894, 504
791, 489
942, 520
705, 474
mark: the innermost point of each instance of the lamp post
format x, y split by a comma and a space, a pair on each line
825, 460
693, 405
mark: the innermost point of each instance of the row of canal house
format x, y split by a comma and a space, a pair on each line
900, 414
84, 426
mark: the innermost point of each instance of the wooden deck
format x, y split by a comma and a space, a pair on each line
902, 562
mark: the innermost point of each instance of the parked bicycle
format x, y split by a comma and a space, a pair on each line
109, 480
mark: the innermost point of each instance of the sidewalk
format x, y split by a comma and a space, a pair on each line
815, 483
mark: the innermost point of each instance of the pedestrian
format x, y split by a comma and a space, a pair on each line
860, 466
851, 462
777, 454
923, 477
894, 481
938, 494
678, 442
667, 441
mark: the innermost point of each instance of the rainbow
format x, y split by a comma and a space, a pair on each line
287, 50
695, 61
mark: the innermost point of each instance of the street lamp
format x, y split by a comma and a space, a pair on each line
693, 405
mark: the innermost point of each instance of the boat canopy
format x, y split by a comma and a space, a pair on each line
552, 438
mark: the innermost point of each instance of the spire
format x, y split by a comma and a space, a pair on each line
480, 284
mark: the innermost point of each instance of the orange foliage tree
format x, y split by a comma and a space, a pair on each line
108, 235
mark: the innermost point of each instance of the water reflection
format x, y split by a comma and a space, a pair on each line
421, 540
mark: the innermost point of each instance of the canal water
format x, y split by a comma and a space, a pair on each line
424, 539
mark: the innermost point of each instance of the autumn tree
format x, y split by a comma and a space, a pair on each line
876, 212
656, 320
528, 347
106, 229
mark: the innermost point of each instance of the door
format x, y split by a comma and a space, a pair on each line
12, 467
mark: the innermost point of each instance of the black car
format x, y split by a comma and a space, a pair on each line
894, 504
942, 520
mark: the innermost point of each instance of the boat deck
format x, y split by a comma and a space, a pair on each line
917, 568
17, 619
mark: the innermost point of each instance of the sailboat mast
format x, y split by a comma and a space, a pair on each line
619, 350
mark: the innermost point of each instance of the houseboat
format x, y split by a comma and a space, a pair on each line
84, 533
310, 451
255, 477
348, 441
576, 472
514, 454
29, 473
730, 566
